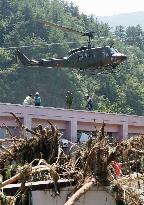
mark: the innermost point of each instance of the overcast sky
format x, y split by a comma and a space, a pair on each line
108, 7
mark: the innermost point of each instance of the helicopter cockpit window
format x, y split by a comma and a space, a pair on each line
113, 50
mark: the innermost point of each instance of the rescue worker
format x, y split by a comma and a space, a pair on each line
37, 99
89, 105
69, 99
117, 168
28, 100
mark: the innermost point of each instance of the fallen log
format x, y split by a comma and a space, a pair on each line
76, 196
11, 180
25, 172
28, 170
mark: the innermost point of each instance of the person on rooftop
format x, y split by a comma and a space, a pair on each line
89, 104
28, 100
37, 99
69, 99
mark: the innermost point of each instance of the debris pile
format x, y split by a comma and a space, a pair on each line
41, 157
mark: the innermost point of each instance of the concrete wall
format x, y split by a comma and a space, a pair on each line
42, 193
92, 197
72, 120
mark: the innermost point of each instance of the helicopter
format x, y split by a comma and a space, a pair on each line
83, 58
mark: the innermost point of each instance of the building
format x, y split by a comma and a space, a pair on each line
70, 121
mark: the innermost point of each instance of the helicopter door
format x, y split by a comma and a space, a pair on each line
104, 56
105, 53
82, 59
99, 56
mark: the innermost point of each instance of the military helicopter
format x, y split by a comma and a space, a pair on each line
83, 58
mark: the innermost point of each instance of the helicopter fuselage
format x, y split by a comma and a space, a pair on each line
95, 57
83, 58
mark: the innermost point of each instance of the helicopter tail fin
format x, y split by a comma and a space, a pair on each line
24, 60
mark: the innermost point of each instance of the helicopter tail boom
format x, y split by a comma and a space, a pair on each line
24, 59
51, 63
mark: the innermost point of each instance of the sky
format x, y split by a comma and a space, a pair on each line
108, 7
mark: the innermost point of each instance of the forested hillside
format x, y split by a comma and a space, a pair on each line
121, 92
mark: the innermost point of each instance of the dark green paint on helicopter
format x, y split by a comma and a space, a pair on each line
82, 58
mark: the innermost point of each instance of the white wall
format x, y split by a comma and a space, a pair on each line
92, 197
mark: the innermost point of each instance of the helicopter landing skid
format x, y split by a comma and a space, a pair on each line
108, 72
98, 71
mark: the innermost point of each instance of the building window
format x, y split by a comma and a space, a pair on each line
2, 133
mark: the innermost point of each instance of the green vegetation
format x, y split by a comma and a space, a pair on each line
122, 92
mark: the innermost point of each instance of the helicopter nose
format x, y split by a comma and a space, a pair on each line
123, 57
118, 58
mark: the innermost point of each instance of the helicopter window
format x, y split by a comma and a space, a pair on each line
80, 56
85, 55
116, 50
105, 53
113, 50
89, 55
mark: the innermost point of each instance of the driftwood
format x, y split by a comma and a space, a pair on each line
10, 181
27, 170
80, 192
24, 174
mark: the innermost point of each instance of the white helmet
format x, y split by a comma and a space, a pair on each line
37, 93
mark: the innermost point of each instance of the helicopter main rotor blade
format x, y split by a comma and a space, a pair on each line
36, 45
17, 47
46, 23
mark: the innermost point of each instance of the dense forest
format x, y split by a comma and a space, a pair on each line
20, 24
